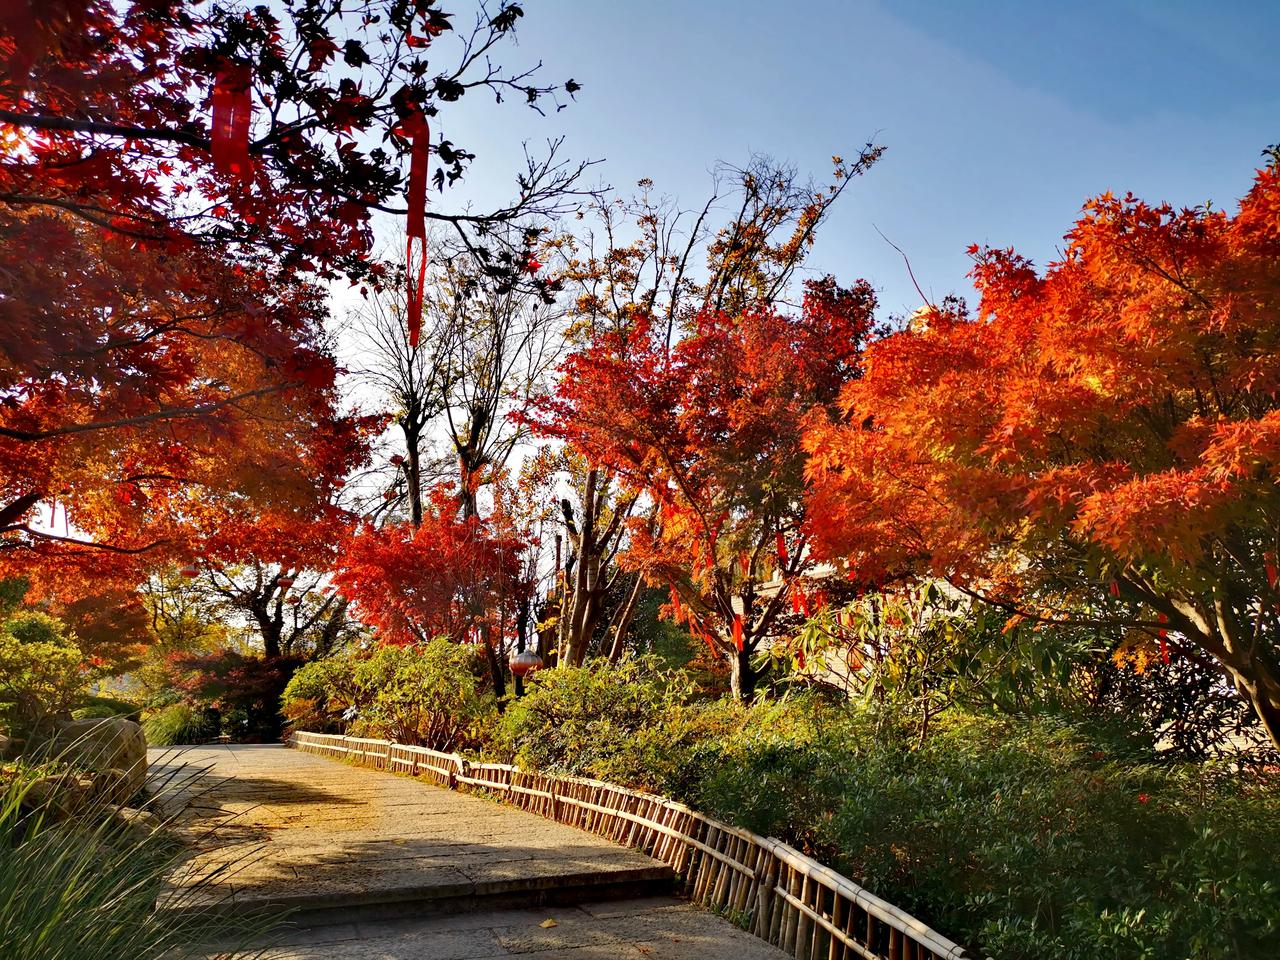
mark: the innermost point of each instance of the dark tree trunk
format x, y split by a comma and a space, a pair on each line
271, 635
270, 621
413, 478
328, 638
522, 634
743, 677
472, 459
1226, 631
1259, 684
497, 669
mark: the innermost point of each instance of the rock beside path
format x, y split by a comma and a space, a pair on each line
112, 747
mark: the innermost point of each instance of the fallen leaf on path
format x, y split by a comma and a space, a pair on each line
548, 924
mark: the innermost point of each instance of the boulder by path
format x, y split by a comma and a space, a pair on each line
113, 748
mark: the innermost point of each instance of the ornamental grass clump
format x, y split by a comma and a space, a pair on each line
83, 880
180, 724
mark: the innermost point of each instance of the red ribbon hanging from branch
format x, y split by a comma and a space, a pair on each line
418, 131
737, 630
232, 111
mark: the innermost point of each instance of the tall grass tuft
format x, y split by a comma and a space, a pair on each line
179, 724
86, 886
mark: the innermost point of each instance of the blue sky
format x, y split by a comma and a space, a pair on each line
1000, 118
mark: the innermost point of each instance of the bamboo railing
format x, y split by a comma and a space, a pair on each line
780, 895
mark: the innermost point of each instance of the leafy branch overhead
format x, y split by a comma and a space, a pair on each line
111, 103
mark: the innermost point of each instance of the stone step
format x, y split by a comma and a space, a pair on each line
311, 908
653, 928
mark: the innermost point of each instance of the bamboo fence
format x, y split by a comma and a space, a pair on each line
776, 892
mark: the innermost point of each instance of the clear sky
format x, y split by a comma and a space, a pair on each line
999, 117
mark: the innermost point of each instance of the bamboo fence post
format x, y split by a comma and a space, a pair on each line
836, 949
803, 932
745, 877
782, 908
720, 871
793, 915
730, 873
766, 873
736, 878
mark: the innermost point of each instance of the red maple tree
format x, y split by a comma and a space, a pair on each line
1100, 444
173, 173
455, 575
157, 407
277, 131
708, 430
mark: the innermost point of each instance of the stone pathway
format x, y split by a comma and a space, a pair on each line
652, 928
377, 865
311, 834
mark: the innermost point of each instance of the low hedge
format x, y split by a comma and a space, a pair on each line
1025, 838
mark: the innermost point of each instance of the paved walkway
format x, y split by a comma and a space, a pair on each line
352, 850
652, 928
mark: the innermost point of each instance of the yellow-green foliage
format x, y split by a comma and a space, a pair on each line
42, 671
432, 694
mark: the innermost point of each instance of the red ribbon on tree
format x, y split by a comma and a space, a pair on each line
737, 630
418, 131
232, 111
799, 600
782, 548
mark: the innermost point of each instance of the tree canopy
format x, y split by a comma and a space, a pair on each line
1100, 442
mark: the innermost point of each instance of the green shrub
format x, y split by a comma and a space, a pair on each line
179, 724
320, 694
42, 671
432, 694
626, 722
1022, 838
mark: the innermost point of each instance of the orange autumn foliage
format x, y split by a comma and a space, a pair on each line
1109, 428
454, 576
